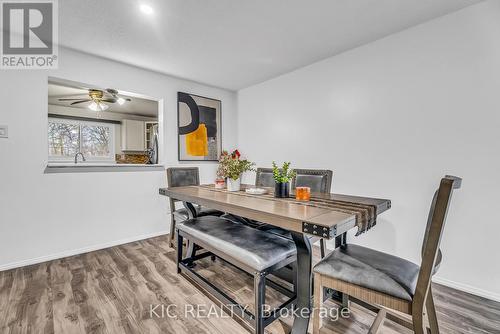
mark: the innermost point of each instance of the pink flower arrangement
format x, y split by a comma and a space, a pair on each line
232, 166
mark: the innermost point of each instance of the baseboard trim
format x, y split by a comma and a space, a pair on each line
467, 288
72, 252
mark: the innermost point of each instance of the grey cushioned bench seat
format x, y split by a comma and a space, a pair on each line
255, 252
256, 249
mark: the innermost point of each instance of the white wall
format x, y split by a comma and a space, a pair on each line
392, 117
43, 216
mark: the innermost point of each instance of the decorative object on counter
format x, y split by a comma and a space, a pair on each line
220, 183
303, 193
234, 184
199, 127
256, 191
220, 180
231, 166
126, 158
282, 177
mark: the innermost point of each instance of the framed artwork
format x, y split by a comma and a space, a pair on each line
198, 127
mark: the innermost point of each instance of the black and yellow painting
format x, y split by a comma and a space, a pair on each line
199, 126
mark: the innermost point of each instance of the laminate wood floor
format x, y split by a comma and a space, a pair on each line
112, 290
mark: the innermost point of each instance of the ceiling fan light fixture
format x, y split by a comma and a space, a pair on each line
98, 106
120, 101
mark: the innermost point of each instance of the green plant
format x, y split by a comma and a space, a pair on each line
232, 166
283, 174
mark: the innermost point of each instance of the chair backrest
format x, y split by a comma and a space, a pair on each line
431, 254
319, 180
264, 177
182, 176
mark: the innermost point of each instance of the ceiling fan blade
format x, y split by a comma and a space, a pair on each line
79, 102
111, 100
70, 99
112, 91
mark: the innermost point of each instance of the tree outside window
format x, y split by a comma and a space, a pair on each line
69, 137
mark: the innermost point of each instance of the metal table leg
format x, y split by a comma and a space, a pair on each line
304, 283
192, 213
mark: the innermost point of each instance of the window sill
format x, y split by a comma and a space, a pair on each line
99, 168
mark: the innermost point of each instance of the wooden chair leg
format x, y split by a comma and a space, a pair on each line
172, 232
379, 320
431, 313
318, 302
418, 321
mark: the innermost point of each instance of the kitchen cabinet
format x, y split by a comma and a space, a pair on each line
133, 135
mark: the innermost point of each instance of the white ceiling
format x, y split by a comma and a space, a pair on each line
235, 43
136, 106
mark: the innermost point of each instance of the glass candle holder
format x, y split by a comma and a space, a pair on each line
303, 193
220, 184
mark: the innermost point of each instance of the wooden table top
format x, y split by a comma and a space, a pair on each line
286, 213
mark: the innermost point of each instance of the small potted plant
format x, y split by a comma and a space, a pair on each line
282, 176
231, 166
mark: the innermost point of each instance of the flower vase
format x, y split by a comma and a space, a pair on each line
234, 185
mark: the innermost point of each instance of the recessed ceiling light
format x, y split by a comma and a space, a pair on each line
146, 9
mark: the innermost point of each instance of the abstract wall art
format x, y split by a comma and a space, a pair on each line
199, 128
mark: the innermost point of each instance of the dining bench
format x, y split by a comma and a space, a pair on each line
255, 252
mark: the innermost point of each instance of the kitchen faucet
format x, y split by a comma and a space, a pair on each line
76, 157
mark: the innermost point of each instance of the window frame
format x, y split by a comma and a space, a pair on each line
80, 123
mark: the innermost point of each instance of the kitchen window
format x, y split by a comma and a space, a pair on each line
67, 137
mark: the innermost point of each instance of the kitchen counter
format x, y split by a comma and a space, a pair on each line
88, 167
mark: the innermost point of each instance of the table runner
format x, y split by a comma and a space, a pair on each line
366, 215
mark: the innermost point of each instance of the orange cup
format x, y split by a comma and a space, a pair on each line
303, 193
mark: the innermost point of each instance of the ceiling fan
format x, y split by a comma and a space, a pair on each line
99, 98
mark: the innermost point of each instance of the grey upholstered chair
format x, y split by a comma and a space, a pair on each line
372, 279
264, 177
319, 180
179, 177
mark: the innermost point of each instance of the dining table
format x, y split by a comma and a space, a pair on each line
326, 216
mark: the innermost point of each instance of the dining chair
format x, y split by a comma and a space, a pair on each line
264, 177
319, 180
384, 283
180, 177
